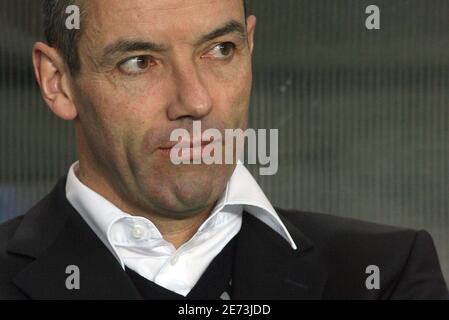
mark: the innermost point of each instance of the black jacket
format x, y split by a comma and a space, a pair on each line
35, 250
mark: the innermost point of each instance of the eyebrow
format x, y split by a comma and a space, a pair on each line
230, 27
130, 45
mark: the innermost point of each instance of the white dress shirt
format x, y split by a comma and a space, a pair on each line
137, 243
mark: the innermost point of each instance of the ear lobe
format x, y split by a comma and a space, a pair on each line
49, 70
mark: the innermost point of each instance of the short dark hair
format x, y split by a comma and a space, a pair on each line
59, 37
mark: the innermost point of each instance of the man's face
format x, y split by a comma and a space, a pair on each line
149, 67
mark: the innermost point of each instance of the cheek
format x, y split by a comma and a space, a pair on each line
114, 119
127, 104
231, 99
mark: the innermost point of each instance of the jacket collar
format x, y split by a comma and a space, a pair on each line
54, 236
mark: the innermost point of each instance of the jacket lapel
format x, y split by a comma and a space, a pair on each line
54, 236
266, 266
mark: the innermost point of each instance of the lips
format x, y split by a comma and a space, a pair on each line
188, 151
186, 144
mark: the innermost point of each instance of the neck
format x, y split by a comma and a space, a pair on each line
178, 232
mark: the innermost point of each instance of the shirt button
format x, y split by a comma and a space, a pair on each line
138, 232
174, 259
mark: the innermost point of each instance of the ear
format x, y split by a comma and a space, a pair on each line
251, 28
54, 79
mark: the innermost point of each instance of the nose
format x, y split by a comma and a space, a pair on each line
193, 99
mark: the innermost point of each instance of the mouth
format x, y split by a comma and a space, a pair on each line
192, 148
186, 144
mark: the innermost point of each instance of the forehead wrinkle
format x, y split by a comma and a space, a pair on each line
97, 25
188, 5
138, 9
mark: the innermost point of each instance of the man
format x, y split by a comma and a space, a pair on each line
127, 223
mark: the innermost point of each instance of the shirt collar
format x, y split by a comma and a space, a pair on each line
241, 190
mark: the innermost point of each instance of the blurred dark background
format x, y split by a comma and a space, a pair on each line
362, 115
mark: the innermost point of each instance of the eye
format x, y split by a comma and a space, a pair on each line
222, 51
135, 65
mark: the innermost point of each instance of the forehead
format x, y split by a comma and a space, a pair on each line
161, 20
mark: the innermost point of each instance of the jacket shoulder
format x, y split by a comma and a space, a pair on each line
406, 259
17, 231
7, 230
319, 226
334, 234
9, 264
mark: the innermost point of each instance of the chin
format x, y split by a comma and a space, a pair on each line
199, 183
188, 189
